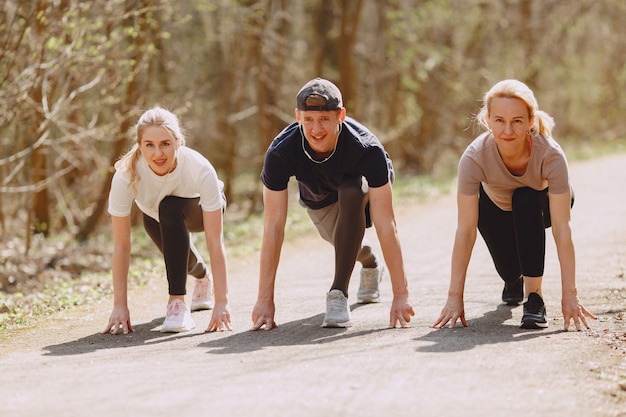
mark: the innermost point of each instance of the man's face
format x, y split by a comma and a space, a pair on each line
321, 129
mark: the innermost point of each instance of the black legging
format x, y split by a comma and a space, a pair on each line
349, 231
178, 217
516, 239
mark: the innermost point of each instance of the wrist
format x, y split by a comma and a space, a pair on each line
265, 297
455, 294
401, 294
222, 299
570, 292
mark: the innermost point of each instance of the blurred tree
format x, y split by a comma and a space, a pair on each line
140, 29
351, 16
76, 46
75, 75
40, 213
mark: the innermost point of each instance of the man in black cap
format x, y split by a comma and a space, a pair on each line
344, 177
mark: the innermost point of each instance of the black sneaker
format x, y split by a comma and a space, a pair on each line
534, 313
513, 293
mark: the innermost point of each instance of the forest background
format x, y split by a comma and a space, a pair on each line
76, 74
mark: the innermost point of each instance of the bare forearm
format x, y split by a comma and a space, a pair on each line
392, 252
219, 270
567, 261
461, 253
121, 262
270, 257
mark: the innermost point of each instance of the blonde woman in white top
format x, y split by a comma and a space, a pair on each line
513, 182
178, 192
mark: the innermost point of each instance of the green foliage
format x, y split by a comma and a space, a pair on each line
19, 309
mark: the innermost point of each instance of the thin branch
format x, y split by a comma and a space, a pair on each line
26, 151
40, 185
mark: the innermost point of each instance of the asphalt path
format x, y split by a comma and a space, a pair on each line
62, 366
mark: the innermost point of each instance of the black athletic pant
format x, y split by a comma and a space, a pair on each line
351, 224
516, 239
178, 217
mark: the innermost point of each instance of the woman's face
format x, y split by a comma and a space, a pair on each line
158, 147
321, 129
509, 121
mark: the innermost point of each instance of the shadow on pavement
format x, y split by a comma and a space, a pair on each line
144, 334
488, 329
307, 331
301, 332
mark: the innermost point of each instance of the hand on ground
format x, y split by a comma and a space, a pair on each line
453, 311
220, 319
263, 315
573, 310
401, 312
119, 321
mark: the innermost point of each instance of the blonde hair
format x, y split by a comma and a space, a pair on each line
156, 116
542, 121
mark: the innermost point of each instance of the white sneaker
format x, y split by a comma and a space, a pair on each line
203, 298
337, 311
178, 318
368, 289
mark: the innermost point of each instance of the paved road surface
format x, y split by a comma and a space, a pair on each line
63, 367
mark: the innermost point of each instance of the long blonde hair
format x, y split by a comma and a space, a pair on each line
156, 116
543, 122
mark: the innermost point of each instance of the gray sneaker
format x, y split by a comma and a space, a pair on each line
337, 310
368, 289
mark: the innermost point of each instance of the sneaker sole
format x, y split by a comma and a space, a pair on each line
175, 329
532, 324
512, 301
201, 306
367, 300
335, 325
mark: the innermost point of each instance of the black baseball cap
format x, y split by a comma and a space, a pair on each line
323, 88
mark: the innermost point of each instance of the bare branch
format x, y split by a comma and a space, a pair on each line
33, 188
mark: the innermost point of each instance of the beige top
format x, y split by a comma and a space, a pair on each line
481, 163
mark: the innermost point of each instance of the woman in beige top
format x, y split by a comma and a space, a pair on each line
513, 182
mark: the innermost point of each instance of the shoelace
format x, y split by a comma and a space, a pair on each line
201, 293
174, 309
337, 304
534, 306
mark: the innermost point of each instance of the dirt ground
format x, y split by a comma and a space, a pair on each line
62, 366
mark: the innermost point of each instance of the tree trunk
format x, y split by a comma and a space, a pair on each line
269, 59
322, 23
41, 199
350, 19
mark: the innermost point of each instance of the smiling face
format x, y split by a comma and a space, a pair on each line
510, 122
158, 147
321, 129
